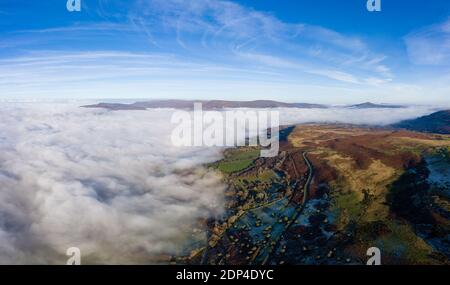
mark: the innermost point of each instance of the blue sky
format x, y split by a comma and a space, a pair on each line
323, 51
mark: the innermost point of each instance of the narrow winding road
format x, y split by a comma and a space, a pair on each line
310, 176
298, 211
299, 208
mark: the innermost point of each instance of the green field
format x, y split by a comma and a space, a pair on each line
237, 160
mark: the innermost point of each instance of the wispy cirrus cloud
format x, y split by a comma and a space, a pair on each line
221, 31
200, 41
430, 45
337, 75
85, 27
229, 27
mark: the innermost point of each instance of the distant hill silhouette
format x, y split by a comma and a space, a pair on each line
369, 105
207, 105
438, 122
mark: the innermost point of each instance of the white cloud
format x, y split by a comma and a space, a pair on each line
374, 117
196, 41
374, 81
90, 27
336, 75
226, 29
269, 60
216, 21
108, 183
430, 45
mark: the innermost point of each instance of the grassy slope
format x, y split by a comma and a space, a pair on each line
237, 160
360, 191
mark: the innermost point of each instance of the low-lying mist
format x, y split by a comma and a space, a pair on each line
369, 116
109, 183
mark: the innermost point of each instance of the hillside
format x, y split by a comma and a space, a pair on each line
438, 123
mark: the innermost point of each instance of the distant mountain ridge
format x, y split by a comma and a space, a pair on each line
438, 123
369, 105
206, 104
223, 104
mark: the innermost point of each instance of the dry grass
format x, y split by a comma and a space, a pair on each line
374, 180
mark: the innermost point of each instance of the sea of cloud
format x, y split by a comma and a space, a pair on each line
343, 115
112, 183
109, 183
